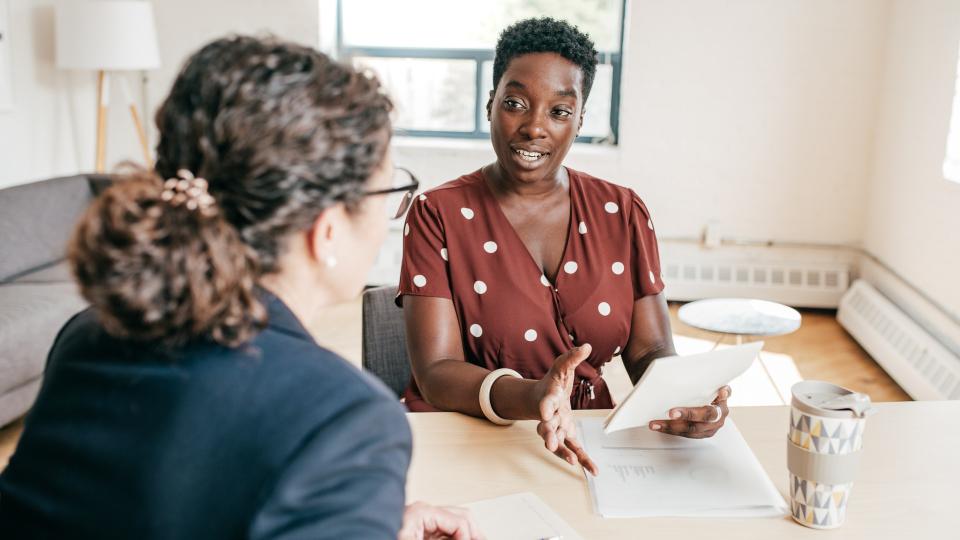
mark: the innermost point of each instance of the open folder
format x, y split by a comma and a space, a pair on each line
680, 381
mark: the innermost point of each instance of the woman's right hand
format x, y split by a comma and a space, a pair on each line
423, 521
557, 426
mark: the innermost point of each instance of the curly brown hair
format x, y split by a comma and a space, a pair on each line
280, 132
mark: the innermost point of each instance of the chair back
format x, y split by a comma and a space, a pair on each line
384, 347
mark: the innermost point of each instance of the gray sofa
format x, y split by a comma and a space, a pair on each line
37, 294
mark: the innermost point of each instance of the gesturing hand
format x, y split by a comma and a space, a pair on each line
557, 427
696, 422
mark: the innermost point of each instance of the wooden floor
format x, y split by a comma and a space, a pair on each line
820, 349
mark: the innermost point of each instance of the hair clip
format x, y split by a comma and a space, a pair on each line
189, 191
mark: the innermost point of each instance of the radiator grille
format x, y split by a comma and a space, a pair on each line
793, 284
918, 362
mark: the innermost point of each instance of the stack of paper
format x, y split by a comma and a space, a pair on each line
523, 516
644, 473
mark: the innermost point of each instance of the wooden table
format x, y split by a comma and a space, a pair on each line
908, 485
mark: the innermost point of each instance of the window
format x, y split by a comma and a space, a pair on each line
436, 57
951, 164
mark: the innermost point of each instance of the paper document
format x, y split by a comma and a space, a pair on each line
644, 473
523, 516
680, 381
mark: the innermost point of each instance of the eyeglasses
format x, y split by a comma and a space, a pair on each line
401, 195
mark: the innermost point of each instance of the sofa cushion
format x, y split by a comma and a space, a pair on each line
36, 221
17, 401
31, 314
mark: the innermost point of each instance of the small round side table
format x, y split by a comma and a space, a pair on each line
741, 317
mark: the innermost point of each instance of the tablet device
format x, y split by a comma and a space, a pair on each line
680, 381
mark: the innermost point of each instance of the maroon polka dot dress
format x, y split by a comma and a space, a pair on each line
458, 244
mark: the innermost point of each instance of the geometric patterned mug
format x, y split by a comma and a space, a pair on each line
824, 443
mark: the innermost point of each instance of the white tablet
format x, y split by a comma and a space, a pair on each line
680, 381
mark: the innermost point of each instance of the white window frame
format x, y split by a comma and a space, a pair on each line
342, 51
951, 162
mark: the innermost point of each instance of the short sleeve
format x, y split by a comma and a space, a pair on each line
644, 251
424, 270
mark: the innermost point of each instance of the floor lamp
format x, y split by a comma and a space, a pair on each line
108, 36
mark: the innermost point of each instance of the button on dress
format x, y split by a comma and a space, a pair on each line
458, 244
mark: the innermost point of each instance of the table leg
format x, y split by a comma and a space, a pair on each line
765, 370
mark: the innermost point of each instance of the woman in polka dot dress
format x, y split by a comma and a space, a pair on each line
529, 265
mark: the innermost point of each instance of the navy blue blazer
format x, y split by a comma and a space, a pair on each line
277, 439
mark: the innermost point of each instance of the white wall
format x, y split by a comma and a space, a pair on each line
51, 130
754, 115
757, 115
186, 25
913, 214
38, 138
794, 120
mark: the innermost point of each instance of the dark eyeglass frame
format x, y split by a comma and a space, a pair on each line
410, 189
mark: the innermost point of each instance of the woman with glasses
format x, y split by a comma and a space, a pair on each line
522, 279
399, 197
189, 400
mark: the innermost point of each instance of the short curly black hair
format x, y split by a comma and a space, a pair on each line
546, 34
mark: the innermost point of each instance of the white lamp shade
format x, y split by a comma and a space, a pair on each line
110, 35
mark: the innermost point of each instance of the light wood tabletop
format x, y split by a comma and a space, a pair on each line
908, 485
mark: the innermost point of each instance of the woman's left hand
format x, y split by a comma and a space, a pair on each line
696, 422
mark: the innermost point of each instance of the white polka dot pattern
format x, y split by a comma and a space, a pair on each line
601, 269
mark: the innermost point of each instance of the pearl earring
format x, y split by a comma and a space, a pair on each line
330, 260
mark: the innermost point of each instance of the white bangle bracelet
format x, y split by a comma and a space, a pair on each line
485, 388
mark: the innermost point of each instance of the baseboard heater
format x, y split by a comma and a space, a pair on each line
794, 284
919, 363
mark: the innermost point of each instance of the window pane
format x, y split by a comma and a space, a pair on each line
596, 122
427, 94
469, 24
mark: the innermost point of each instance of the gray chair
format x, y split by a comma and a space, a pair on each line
384, 348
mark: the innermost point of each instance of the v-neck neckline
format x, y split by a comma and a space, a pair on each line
571, 176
